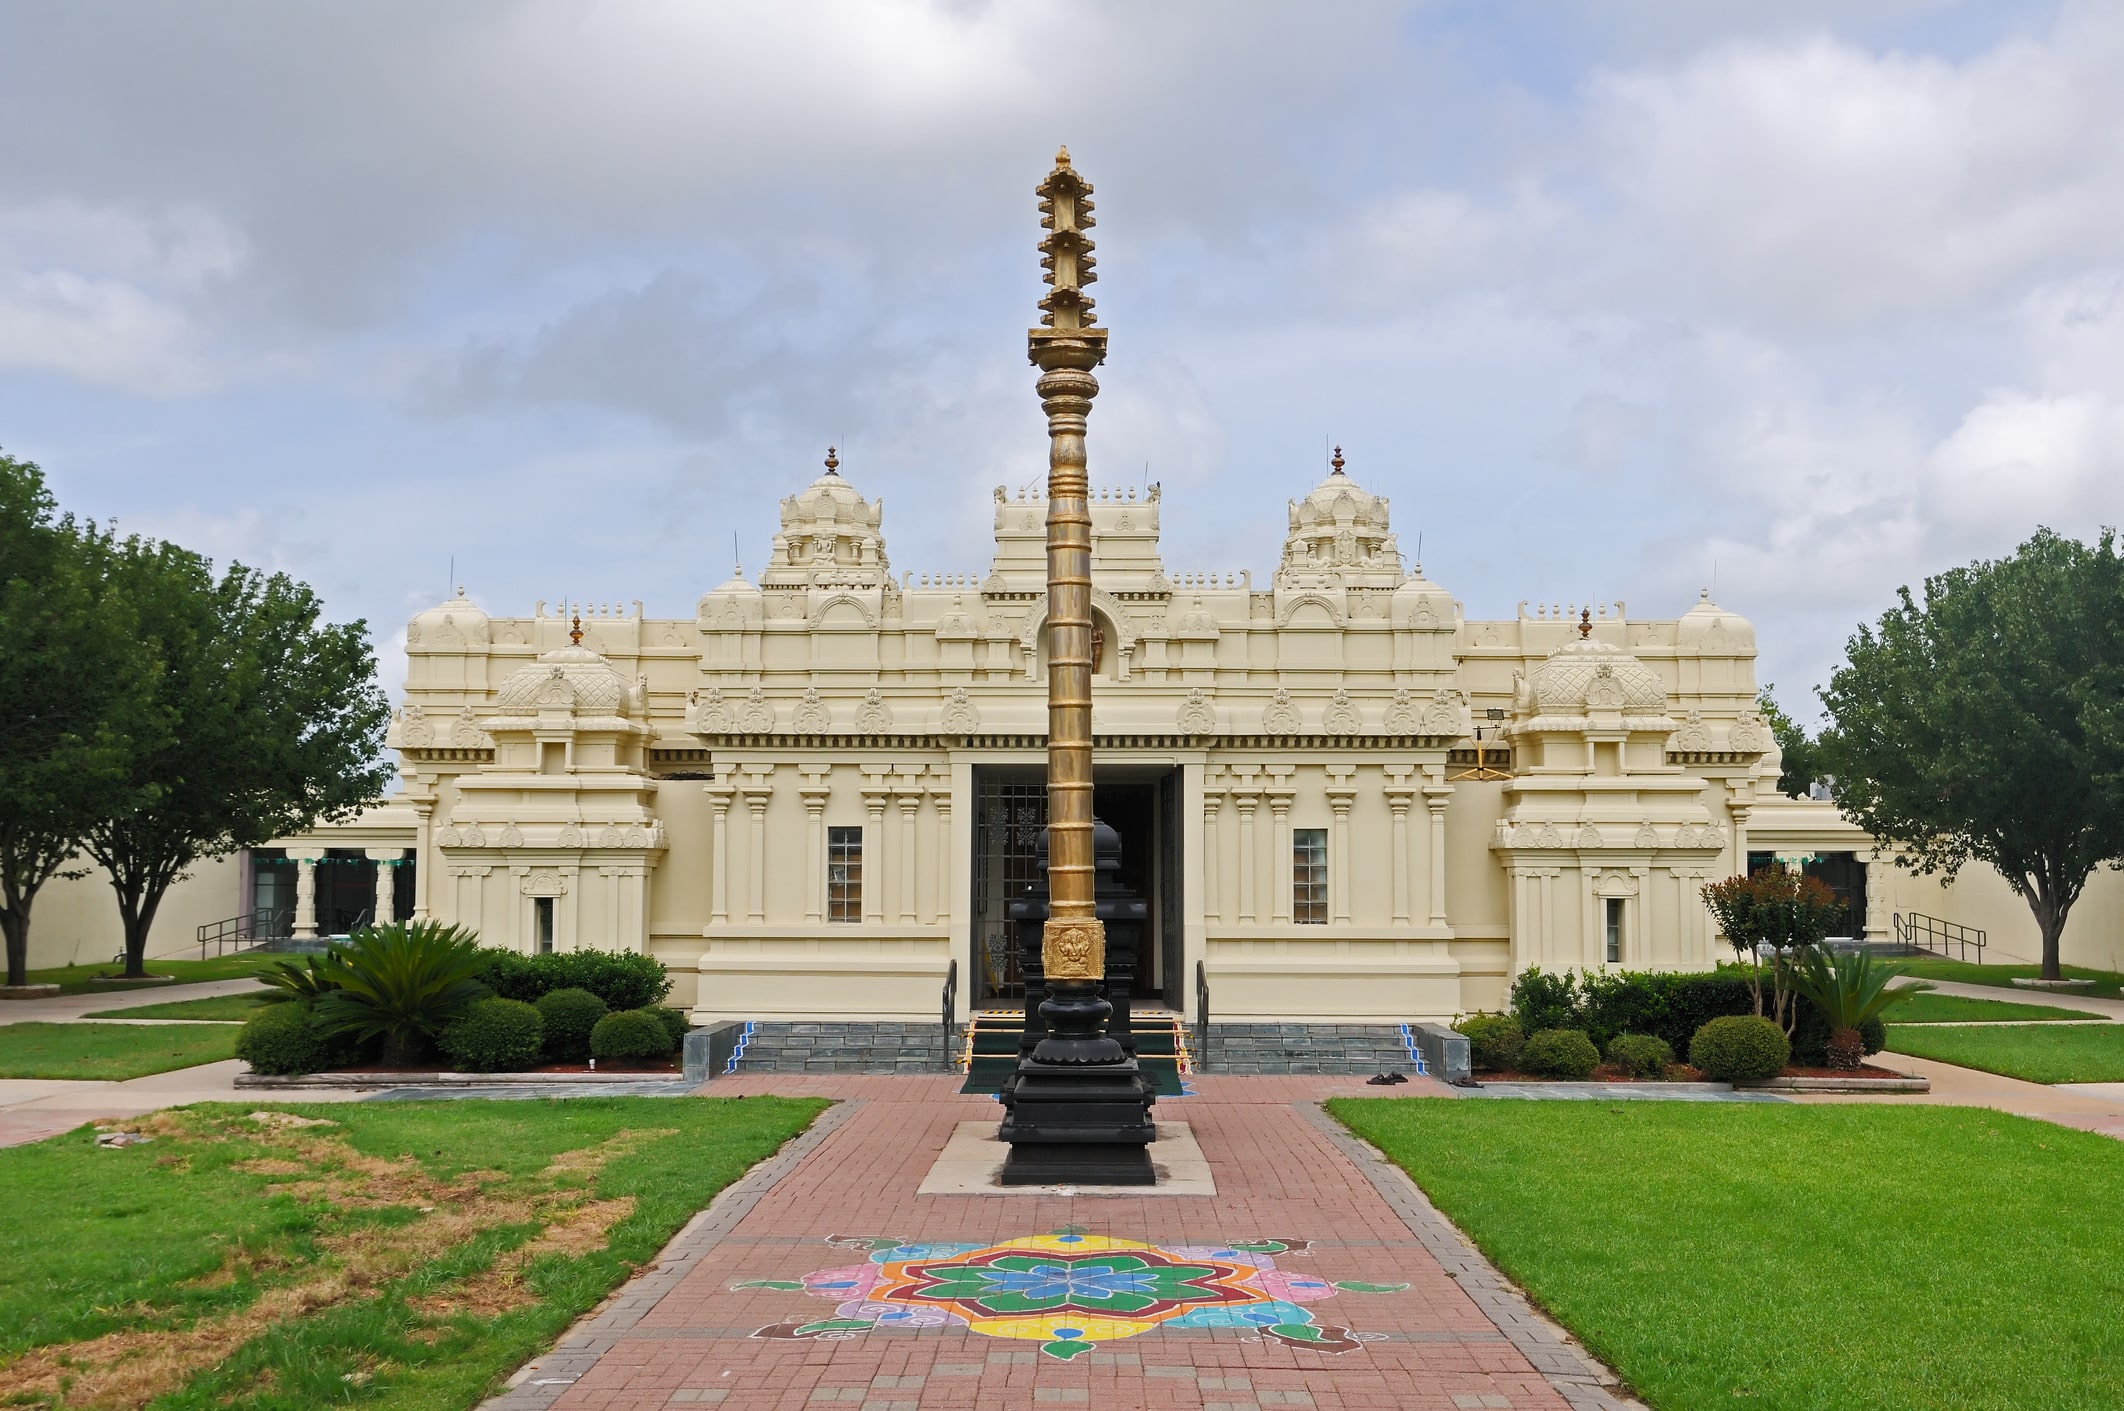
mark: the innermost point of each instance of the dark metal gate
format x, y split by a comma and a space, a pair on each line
1008, 816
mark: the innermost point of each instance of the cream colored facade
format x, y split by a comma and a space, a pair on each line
675, 784
672, 785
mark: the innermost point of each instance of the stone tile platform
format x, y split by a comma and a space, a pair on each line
725, 1319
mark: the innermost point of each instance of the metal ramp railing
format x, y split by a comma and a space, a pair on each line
1917, 931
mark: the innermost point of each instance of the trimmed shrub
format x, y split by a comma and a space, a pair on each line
1875, 1035
1494, 1041
495, 1036
630, 1034
1542, 1001
676, 1024
1640, 1055
621, 979
569, 1016
1740, 1049
280, 1039
1565, 1054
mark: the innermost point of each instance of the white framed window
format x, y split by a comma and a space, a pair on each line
1612, 929
542, 924
1309, 876
844, 874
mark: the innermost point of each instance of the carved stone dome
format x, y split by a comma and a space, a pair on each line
1583, 676
1338, 528
572, 678
448, 627
1707, 627
829, 531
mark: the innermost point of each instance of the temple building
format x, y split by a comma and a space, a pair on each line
1342, 798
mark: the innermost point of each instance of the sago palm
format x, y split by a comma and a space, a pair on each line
1849, 989
402, 983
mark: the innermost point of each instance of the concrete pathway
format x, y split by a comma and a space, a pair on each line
2014, 994
798, 1288
2091, 1107
32, 1109
67, 1007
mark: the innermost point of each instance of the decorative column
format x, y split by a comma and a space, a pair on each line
1341, 792
910, 800
386, 860
756, 796
1079, 1108
815, 789
1877, 911
876, 793
1212, 805
306, 860
720, 796
942, 798
1279, 798
1434, 798
1249, 861
1398, 799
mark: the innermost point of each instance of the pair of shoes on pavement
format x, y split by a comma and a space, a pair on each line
1381, 1080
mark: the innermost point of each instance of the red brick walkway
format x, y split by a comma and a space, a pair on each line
682, 1335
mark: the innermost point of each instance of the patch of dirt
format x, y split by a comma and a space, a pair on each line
129, 1368
290, 1119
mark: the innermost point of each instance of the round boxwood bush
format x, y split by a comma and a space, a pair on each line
496, 1036
279, 1039
1873, 1035
1740, 1048
1566, 1054
1494, 1041
1640, 1055
569, 1016
629, 1034
675, 1023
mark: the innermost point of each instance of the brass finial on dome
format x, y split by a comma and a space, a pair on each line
833, 464
1337, 461
1585, 623
1066, 254
575, 628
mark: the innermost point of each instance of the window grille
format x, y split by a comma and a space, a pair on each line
1309, 876
844, 874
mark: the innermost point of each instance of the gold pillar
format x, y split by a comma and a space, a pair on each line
1065, 349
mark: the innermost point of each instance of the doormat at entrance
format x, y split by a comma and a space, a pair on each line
1069, 1291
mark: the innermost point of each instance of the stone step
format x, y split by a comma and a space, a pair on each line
1306, 1048
882, 1046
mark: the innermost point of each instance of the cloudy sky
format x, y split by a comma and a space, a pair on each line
1610, 297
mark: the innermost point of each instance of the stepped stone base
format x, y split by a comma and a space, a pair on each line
1307, 1048
886, 1046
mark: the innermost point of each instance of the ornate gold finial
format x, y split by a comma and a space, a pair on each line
833, 465
1337, 462
1066, 254
575, 628
1585, 623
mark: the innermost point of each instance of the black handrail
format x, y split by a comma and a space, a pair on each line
951, 997
1929, 933
243, 931
1201, 1017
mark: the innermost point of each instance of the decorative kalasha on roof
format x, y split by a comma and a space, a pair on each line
1066, 253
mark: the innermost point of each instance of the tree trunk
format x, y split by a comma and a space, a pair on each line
2050, 920
1847, 1049
14, 921
138, 919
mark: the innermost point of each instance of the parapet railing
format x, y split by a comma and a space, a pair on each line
1946, 938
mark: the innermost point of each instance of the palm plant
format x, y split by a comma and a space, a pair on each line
403, 983
303, 983
1849, 989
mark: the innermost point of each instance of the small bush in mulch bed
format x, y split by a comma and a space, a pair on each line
630, 1034
1564, 1054
495, 1036
280, 1040
1640, 1055
1494, 1041
1740, 1049
621, 979
569, 1016
676, 1024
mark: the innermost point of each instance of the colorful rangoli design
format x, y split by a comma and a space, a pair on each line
1069, 1291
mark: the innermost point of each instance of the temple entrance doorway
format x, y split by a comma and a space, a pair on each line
1141, 803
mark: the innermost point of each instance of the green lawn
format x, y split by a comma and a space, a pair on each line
2079, 1053
237, 1007
1969, 973
109, 1050
1954, 1009
74, 979
402, 1255
1865, 1258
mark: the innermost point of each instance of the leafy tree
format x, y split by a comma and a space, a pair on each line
1988, 722
262, 721
1787, 911
71, 677
1802, 756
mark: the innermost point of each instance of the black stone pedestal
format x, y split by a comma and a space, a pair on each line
1079, 1106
